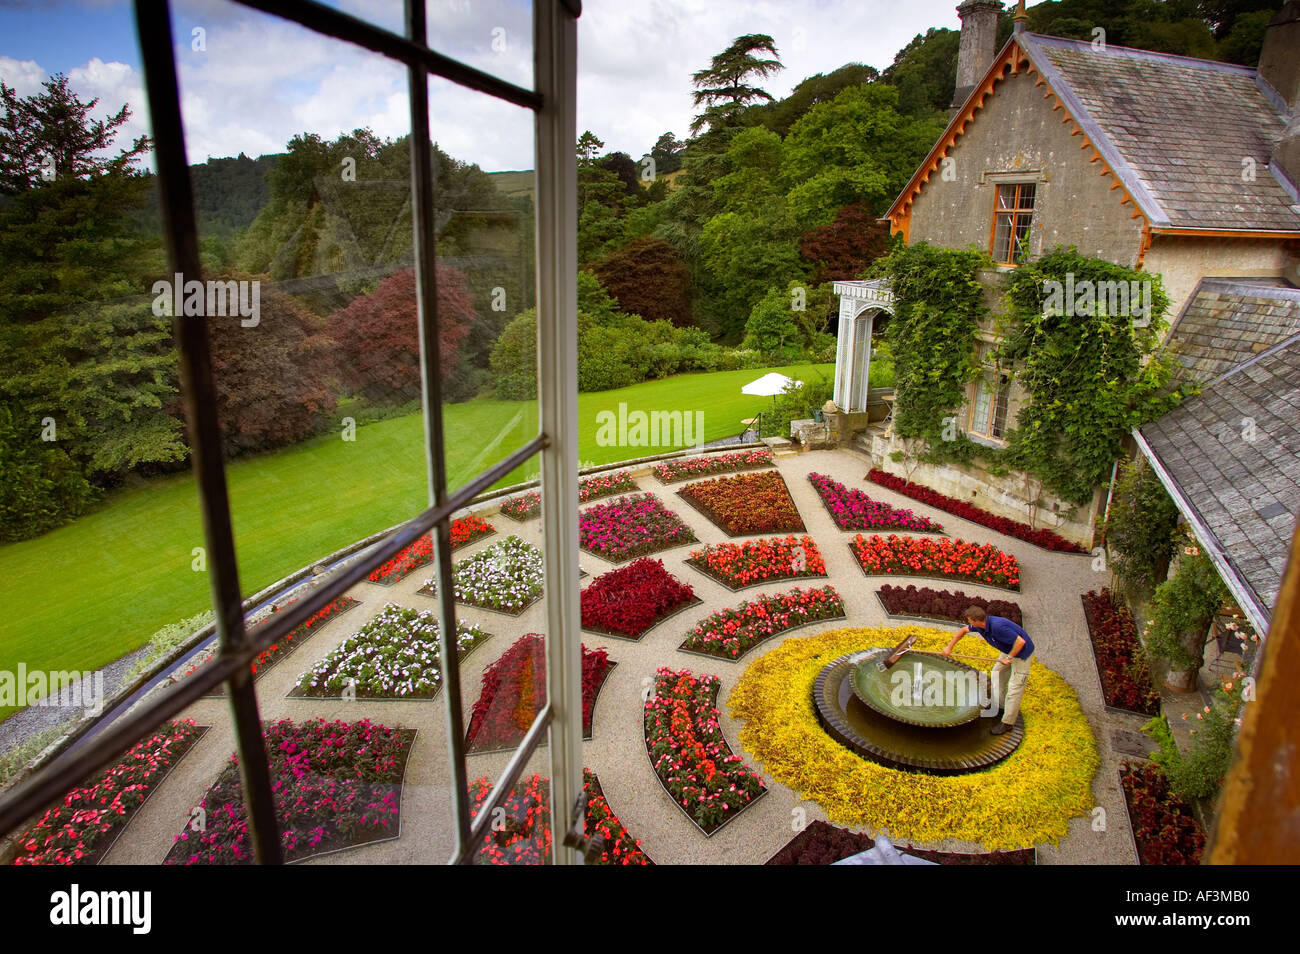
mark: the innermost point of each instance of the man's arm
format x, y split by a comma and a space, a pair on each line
1018, 645
964, 631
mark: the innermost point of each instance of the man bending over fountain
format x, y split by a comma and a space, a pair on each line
1016, 648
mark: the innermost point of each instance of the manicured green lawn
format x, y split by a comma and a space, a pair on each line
85, 594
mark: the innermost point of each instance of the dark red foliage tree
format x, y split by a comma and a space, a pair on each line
841, 250
380, 340
275, 378
648, 278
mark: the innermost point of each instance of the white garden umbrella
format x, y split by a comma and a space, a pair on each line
773, 383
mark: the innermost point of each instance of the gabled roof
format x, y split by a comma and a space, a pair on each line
1230, 456
1174, 133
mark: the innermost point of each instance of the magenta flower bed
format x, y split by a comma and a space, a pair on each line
1012, 528
336, 785
851, 509
635, 526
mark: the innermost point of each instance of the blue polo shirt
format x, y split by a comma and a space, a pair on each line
1000, 633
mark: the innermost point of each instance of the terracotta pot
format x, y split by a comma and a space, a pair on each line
1181, 681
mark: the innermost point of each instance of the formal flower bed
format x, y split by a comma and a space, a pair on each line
738, 565
851, 509
336, 785
730, 633
1122, 664
420, 553
628, 601
1166, 831
953, 559
81, 828
686, 468
746, 503
1025, 800
525, 836
824, 844
690, 754
529, 505
633, 527
394, 656
506, 577
514, 691
942, 604
1013, 528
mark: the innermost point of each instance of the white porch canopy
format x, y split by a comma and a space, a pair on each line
860, 302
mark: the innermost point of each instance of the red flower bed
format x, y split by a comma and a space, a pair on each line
822, 843
529, 505
1166, 831
738, 565
81, 828
336, 785
951, 558
851, 509
629, 600
420, 553
1125, 672
690, 754
1012, 528
514, 691
730, 633
942, 604
685, 468
746, 503
524, 838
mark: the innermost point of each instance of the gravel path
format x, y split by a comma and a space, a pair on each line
1049, 599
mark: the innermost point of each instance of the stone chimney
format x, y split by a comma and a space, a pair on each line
979, 36
1279, 59
1279, 68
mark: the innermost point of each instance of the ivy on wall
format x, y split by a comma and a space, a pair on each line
1088, 358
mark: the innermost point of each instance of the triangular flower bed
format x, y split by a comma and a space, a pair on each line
395, 655
632, 527
505, 577
514, 691
524, 836
756, 562
690, 755
851, 509
629, 601
730, 633
529, 505
337, 785
463, 532
746, 504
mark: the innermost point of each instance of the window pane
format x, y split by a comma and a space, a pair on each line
495, 36
1006, 197
1022, 236
1002, 238
980, 416
1026, 200
1000, 409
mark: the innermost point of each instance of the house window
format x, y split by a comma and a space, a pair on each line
989, 409
1012, 213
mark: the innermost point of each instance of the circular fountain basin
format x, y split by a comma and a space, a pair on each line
932, 748
918, 688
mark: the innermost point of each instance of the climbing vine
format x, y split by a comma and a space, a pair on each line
938, 304
1087, 357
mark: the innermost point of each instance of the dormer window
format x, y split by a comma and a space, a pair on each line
1012, 213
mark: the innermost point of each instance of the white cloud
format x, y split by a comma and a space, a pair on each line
23, 76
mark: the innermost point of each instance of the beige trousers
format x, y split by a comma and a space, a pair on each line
1015, 687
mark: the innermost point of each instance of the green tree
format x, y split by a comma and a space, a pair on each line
771, 329
726, 87
1140, 528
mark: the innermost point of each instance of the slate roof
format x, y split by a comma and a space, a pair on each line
1176, 131
1246, 492
1228, 321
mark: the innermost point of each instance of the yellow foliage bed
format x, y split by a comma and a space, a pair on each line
1024, 800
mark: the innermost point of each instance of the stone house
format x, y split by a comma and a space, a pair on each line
1181, 167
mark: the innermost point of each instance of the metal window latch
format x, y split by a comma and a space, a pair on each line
576, 836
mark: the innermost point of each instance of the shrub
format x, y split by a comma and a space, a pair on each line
1140, 527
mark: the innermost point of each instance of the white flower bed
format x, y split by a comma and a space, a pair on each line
506, 576
394, 655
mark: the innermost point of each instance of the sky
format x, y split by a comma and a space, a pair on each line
250, 82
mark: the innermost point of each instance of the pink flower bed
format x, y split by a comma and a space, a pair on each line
635, 526
851, 509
